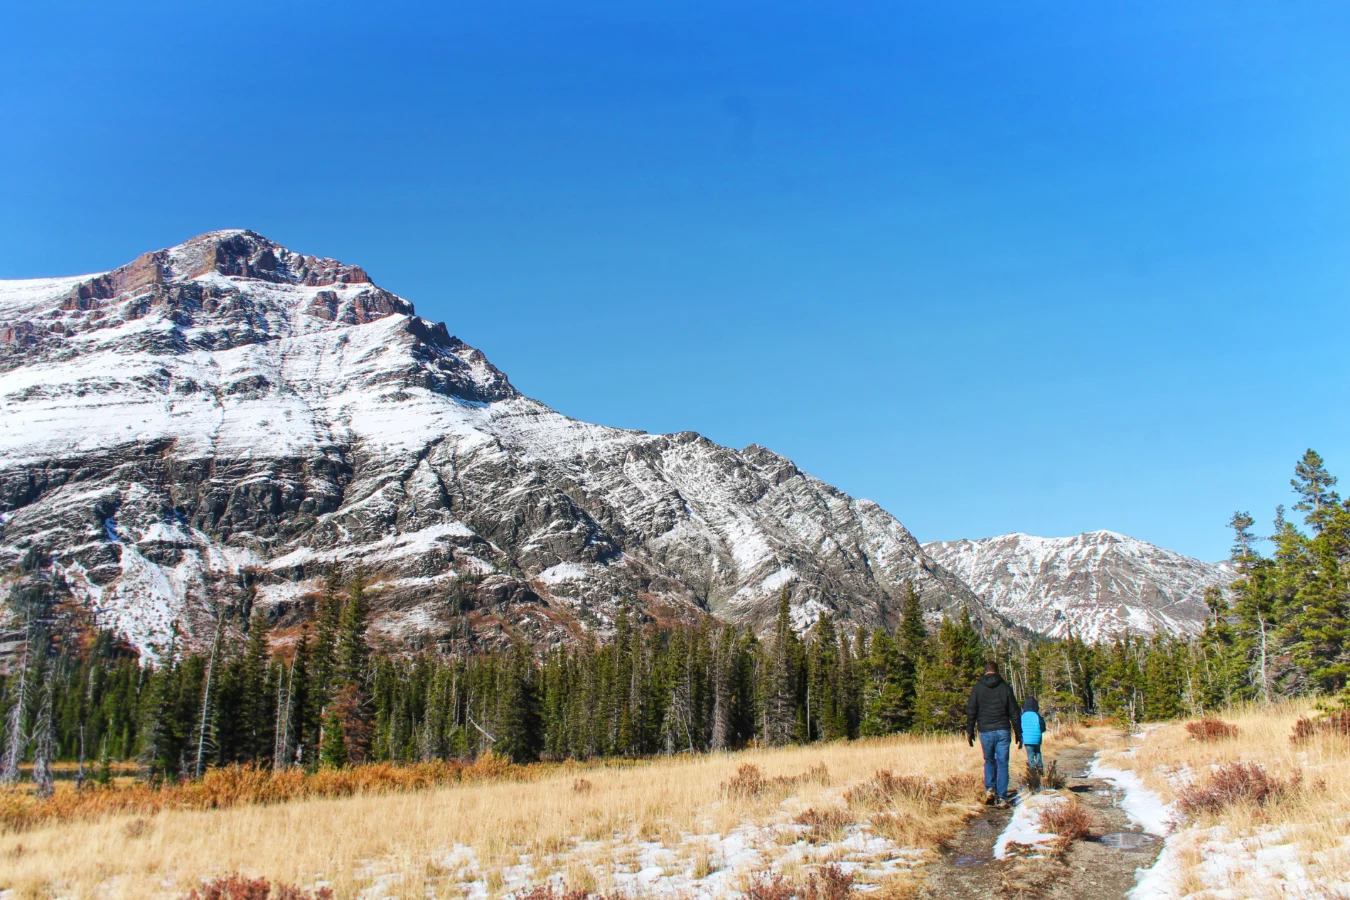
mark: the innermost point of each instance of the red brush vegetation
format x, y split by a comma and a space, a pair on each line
243, 786
1335, 724
825, 824
550, 892
1239, 783
749, 782
1211, 729
884, 788
830, 883
1068, 820
237, 887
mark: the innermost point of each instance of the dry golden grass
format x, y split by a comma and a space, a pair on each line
435, 839
1308, 807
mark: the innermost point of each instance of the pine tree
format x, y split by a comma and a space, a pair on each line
257, 718
333, 751
913, 636
519, 733
1314, 484
1243, 553
781, 677
353, 653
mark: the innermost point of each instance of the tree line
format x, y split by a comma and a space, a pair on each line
333, 700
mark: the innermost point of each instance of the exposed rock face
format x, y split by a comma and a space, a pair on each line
226, 419
1097, 584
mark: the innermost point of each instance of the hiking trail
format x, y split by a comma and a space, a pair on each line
1100, 867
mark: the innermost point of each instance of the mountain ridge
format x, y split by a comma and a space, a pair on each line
1097, 584
220, 421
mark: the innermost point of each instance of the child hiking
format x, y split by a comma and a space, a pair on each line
1033, 727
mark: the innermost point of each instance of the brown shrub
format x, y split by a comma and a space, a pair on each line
1211, 729
1334, 724
1239, 783
549, 892
769, 886
825, 824
830, 883
237, 887
961, 788
1052, 779
581, 786
1069, 733
1068, 820
749, 782
884, 788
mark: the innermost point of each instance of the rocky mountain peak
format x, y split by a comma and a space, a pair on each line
1096, 585
215, 425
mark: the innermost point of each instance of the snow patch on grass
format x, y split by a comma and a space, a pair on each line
1025, 825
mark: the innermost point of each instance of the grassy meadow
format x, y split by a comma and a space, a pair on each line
1257, 813
690, 825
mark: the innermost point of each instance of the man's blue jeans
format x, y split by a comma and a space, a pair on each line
997, 745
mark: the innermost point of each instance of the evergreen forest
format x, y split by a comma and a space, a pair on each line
1281, 630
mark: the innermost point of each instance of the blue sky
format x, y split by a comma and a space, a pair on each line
1014, 266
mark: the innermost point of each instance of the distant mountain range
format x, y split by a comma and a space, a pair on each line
222, 421
1096, 585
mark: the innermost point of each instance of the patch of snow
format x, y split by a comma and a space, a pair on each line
564, 572
1025, 825
1143, 807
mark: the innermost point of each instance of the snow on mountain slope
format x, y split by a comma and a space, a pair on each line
221, 422
1096, 584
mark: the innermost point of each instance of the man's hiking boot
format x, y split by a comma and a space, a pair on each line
989, 798
1000, 803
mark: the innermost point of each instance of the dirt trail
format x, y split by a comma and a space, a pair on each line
1099, 868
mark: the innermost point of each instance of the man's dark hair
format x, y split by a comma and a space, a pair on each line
991, 668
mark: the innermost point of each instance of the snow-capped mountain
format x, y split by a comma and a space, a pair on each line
1097, 584
226, 419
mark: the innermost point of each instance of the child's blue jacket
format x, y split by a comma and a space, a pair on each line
1032, 723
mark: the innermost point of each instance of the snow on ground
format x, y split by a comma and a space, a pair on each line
1145, 808
1267, 863
701, 866
1025, 825
564, 572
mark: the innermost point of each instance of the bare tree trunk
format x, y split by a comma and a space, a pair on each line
43, 744
1265, 675
15, 741
206, 698
281, 752
79, 772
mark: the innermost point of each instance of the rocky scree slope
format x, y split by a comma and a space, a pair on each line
1097, 584
213, 426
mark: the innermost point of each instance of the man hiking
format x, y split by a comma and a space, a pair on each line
994, 708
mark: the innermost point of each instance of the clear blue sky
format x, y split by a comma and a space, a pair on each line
1012, 266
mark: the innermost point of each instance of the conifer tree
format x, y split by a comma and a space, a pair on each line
519, 731
1314, 484
781, 676
333, 752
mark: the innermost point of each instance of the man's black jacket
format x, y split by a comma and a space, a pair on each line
993, 706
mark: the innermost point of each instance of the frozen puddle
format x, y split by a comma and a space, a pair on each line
1128, 840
